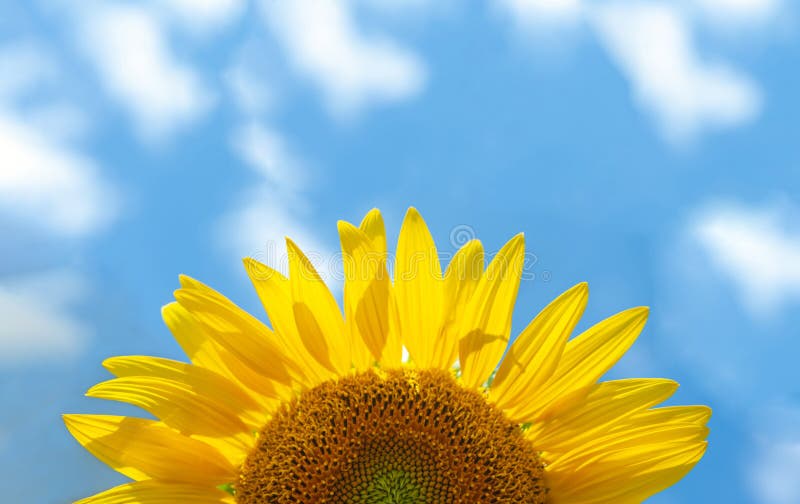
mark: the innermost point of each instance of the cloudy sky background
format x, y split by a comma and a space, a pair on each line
648, 147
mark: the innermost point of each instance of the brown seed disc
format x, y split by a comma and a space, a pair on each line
400, 436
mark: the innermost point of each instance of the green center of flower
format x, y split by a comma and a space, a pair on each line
392, 487
394, 437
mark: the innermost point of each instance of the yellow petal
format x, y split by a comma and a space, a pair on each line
460, 281
606, 405
145, 449
632, 444
204, 351
585, 359
627, 476
319, 321
418, 288
534, 355
639, 456
674, 414
275, 293
241, 334
487, 324
178, 406
368, 300
156, 492
200, 349
199, 380
372, 226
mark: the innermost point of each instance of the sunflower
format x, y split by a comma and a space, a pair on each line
401, 400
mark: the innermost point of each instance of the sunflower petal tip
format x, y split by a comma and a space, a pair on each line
177, 294
518, 241
473, 244
638, 316
581, 288
292, 246
372, 213
344, 227
165, 309
253, 268
108, 363
413, 213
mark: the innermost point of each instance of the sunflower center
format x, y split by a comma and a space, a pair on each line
400, 436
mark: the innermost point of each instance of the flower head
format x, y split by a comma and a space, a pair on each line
323, 406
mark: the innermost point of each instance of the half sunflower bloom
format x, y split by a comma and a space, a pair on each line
322, 407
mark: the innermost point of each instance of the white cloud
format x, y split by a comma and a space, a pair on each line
247, 81
652, 44
203, 16
23, 66
266, 152
275, 207
130, 49
250, 94
259, 223
405, 6
722, 256
773, 472
739, 12
724, 277
45, 182
757, 249
44, 179
352, 70
28, 74
532, 13
48, 183
59, 120
36, 321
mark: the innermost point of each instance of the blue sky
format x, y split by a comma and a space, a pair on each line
647, 147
